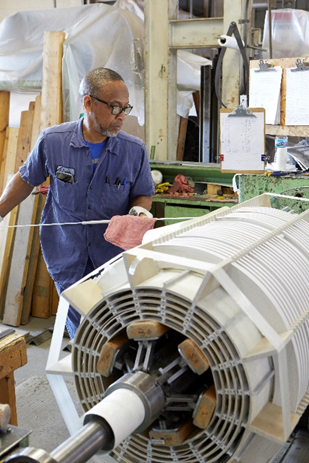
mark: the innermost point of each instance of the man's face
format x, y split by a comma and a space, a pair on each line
102, 120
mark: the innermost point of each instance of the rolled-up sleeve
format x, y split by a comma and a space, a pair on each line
35, 170
143, 184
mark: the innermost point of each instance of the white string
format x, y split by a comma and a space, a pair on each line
85, 222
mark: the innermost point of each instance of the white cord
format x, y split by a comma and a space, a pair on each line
88, 222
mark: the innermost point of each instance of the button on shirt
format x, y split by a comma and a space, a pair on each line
122, 173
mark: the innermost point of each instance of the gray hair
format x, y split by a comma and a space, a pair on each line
96, 79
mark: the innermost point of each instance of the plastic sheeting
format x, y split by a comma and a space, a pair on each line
290, 33
96, 35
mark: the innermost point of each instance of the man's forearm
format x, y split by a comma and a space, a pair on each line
142, 201
16, 191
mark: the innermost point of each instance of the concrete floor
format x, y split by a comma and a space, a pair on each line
37, 409
39, 413
37, 355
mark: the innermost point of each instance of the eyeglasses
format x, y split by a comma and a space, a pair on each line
116, 110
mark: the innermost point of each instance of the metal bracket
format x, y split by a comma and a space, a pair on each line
241, 111
265, 66
301, 65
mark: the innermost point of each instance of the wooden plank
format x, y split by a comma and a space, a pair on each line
51, 102
24, 138
4, 123
51, 114
182, 135
18, 266
7, 234
30, 123
36, 126
33, 252
33, 246
10, 149
16, 253
54, 298
41, 296
6, 261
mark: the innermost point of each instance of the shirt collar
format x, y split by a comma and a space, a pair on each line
77, 140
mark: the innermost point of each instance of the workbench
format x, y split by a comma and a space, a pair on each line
165, 205
13, 355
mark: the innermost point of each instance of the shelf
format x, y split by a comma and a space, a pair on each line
289, 130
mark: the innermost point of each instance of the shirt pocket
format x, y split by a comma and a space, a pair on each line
67, 195
115, 201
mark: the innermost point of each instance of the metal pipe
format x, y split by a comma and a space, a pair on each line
83, 444
94, 436
270, 31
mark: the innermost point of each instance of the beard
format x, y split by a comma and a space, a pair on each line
103, 131
107, 133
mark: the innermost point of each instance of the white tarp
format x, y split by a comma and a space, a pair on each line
290, 33
96, 35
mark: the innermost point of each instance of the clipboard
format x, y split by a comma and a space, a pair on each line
297, 100
242, 140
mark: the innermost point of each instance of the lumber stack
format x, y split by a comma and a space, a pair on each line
25, 285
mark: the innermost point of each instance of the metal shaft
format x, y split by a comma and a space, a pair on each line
83, 444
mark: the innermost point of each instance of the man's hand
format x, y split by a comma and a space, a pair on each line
140, 206
140, 212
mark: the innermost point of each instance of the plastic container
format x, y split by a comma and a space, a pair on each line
281, 155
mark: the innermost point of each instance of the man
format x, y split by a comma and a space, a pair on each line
96, 171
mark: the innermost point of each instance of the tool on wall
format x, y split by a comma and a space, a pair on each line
232, 30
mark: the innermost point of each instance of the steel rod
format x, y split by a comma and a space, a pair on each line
83, 444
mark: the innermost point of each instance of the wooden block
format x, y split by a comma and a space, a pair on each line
172, 437
205, 408
227, 190
109, 351
8, 396
13, 355
212, 189
146, 329
193, 356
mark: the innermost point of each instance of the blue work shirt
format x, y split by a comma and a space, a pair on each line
122, 173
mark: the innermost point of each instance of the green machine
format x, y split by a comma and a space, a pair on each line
291, 185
